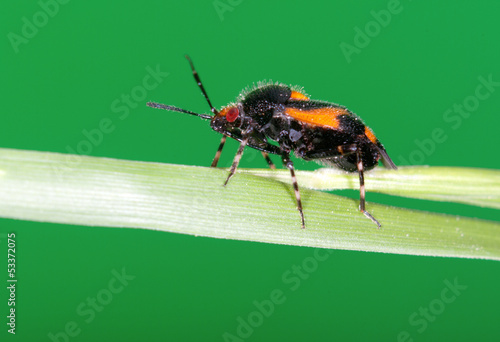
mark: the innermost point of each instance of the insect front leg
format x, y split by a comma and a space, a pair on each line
219, 151
251, 139
221, 146
237, 159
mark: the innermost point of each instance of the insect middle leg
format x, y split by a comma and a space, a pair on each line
268, 160
289, 165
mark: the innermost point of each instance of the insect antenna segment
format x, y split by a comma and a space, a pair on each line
176, 109
198, 81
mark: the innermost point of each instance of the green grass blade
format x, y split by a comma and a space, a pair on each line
93, 191
479, 187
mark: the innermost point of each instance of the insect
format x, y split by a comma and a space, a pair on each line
314, 130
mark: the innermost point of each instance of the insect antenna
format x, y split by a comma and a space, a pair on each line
176, 109
212, 108
198, 81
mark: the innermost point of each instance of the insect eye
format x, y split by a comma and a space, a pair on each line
232, 114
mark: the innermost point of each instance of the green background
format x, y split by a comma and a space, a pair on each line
74, 70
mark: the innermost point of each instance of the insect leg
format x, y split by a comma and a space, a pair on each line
236, 160
289, 164
256, 141
221, 146
268, 160
219, 151
362, 190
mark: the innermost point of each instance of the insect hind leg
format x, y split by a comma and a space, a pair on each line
362, 190
342, 151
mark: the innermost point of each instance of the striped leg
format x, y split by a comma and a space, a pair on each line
219, 151
289, 164
362, 190
236, 160
268, 160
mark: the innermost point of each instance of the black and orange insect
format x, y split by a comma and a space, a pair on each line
314, 130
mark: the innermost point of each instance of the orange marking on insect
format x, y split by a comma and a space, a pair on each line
369, 134
324, 117
298, 96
